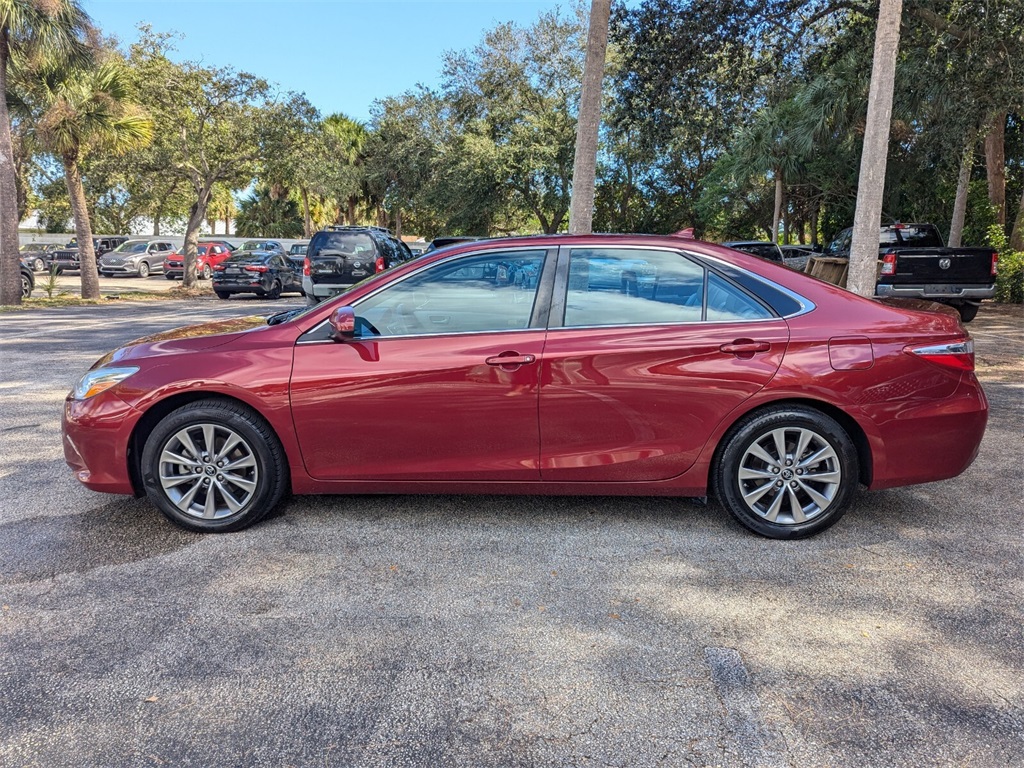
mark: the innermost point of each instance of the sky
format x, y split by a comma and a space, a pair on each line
343, 54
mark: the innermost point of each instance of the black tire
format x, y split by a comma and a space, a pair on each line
793, 505
59, 271
38, 265
143, 269
206, 273
169, 276
222, 294
26, 286
275, 291
967, 312
228, 492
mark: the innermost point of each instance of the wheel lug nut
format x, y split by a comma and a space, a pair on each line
799, 471
220, 477
779, 484
775, 470
793, 484
789, 462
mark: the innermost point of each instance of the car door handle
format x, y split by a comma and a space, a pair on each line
510, 359
745, 347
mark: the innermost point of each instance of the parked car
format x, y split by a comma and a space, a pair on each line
265, 273
208, 256
38, 256
444, 242
786, 254
339, 256
136, 257
262, 245
916, 265
797, 256
297, 255
778, 393
66, 259
28, 280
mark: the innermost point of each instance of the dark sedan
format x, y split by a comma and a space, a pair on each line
265, 273
527, 366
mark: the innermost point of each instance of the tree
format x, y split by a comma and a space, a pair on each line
84, 110
56, 29
584, 172
864, 247
217, 123
262, 215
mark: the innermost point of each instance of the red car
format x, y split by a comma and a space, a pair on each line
613, 365
208, 256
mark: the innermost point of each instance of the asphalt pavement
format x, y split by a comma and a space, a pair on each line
496, 630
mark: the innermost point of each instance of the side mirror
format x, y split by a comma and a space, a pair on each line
343, 324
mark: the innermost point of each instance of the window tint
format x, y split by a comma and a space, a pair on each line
920, 237
726, 302
610, 286
487, 292
342, 243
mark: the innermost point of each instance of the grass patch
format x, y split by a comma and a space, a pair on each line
68, 300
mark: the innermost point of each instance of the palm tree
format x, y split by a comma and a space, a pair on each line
349, 137
83, 110
862, 276
57, 29
584, 171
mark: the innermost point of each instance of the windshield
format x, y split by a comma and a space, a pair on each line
256, 245
132, 246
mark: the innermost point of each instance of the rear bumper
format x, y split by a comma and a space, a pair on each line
936, 292
955, 427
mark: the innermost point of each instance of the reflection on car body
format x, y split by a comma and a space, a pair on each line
633, 365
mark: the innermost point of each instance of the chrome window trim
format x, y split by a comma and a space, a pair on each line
322, 323
806, 305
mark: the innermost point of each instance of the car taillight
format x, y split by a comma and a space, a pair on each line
305, 267
889, 263
219, 268
379, 264
256, 268
958, 355
995, 263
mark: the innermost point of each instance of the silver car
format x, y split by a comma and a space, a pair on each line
136, 258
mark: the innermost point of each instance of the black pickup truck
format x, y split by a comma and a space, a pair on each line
916, 265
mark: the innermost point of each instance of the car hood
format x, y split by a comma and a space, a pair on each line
190, 338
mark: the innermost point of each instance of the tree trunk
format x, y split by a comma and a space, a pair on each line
862, 275
10, 270
307, 221
995, 165
584, 170
1017, 237
814, 225
398, 223
83, 229
196, 216
352, 211
777, 214
963, 181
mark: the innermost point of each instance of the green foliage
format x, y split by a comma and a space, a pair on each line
1010, 278
263, 215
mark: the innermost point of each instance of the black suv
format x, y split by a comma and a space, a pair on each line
337, 257
67, 257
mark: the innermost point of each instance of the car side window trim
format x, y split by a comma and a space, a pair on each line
320, 333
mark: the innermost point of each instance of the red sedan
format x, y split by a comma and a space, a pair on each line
631, 365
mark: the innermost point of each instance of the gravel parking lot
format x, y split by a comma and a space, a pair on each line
479, 631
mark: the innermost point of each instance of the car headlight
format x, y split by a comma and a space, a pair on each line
100, 380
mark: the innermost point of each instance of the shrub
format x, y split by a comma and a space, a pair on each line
1010, 279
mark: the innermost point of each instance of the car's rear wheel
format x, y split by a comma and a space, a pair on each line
26, 286
143, 269
275, 291
214, 466
206, 273
222, 294
786, 472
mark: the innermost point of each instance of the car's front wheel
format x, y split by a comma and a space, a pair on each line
143, 269
214, 466
38, 265
206, 273
26, 286
786, 472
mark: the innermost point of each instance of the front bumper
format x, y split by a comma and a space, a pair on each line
96, 436
119, 269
